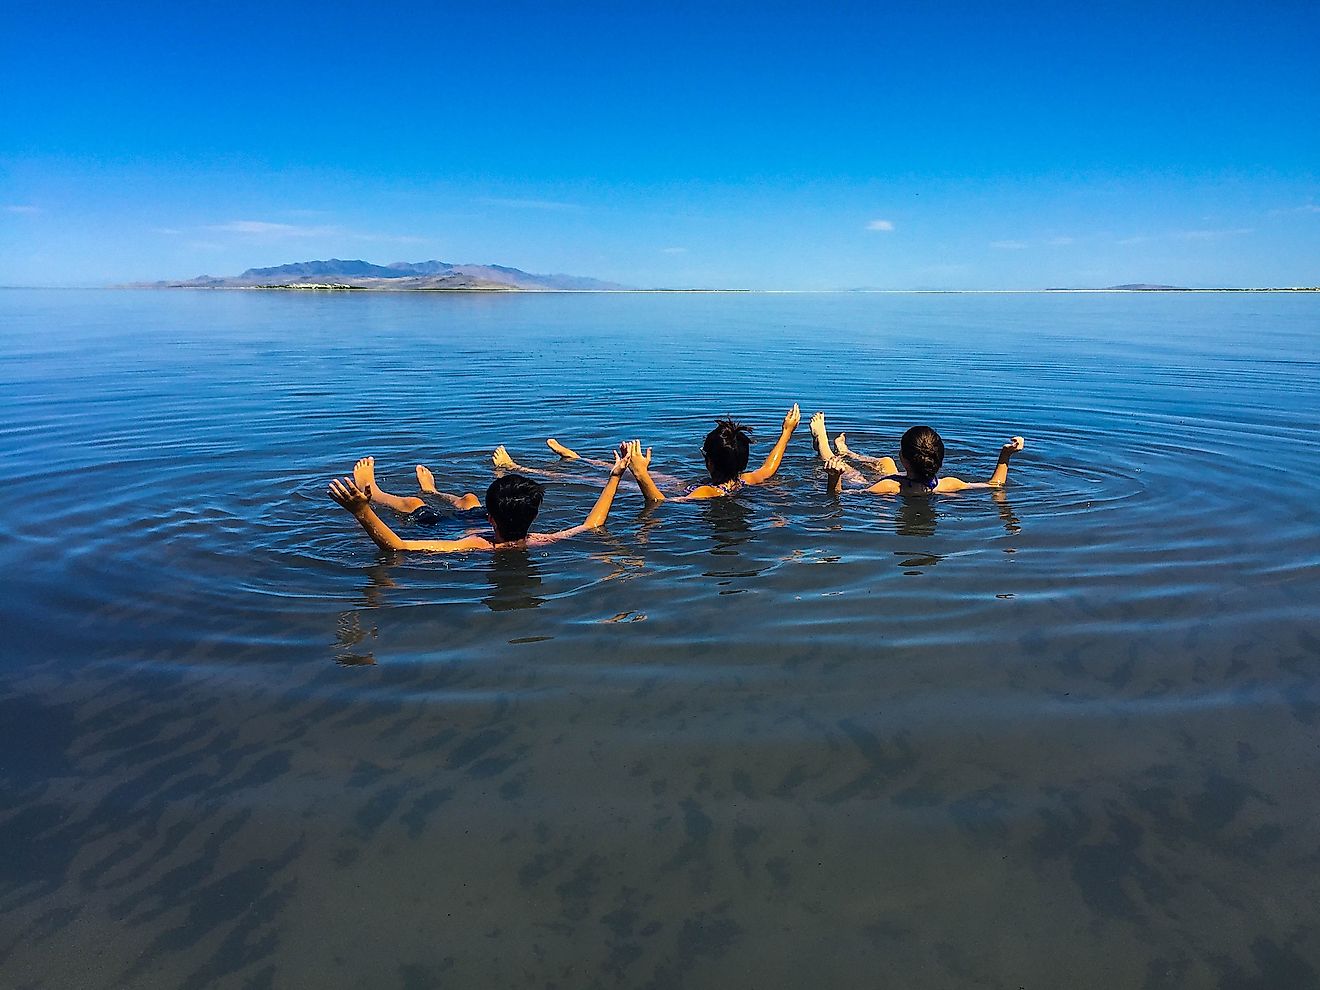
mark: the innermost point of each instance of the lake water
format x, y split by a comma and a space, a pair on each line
1063, 735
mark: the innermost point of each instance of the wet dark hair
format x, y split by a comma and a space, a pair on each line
512, 503
727, 448
923, 450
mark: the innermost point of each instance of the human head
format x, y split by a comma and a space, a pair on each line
726, 449
512, 503
923, 453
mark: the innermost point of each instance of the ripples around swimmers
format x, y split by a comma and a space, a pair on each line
779, 739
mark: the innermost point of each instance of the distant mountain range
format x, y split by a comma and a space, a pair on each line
399, 275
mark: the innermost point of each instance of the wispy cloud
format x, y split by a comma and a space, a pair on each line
1209, 235
270, 230
264, 228
1009, 245
1305, 208
167, 231
528, 204
22, 209
1060, 241
885, 225
673, 250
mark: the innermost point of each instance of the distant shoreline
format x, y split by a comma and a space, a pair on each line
509, 290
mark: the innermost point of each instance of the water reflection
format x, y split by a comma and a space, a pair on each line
514, 580
1012, 524
916, 516
349, 637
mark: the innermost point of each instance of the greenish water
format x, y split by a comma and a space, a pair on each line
1065, 735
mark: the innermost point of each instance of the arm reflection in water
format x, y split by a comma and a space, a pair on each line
349, 637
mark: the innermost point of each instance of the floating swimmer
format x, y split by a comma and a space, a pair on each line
922, 452
512, 504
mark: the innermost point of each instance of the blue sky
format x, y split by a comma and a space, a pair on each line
770, 145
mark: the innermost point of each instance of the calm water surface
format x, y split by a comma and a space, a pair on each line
1063, 735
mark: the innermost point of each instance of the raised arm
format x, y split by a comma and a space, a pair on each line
600, 511
640, 466
358, 504
996, 480
767, 470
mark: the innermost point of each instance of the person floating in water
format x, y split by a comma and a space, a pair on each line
922, 452
726, 451
512, 503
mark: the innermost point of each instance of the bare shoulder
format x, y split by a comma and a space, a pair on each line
886, 487
706, 491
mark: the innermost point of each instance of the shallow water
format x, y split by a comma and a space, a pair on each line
1066, 734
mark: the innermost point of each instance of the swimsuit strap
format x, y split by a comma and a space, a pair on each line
904, 479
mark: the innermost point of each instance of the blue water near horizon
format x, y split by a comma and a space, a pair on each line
1059, 734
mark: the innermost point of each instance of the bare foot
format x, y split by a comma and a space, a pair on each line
501, 459
364, 473
561, 450
426, 480
818, 425
841, 445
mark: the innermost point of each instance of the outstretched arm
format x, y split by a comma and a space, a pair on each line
358, 504
600, 511
767, 470
997, 479
640, 466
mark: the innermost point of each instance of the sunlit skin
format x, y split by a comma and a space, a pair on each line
639, 463
840, 473
502, 460
358, 503
364, 477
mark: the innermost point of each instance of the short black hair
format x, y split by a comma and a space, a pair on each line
923, 450
512, 503
727, 448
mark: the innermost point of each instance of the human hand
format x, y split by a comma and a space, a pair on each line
501, 459
835, 467
792, 418
620, 462
1012, 447
638, 461
347, 494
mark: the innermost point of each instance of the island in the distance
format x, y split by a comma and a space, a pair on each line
336, 274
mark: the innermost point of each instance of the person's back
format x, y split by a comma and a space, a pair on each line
922, 452
512, 504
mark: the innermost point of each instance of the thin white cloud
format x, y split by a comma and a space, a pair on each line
264, 228
885, 225
1060, 241
167, 231
23, 209
1009, 245
1138, 239
1305, 208
269, 230
673, 250
1209, 235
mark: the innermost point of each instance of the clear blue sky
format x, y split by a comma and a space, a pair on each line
767, 145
